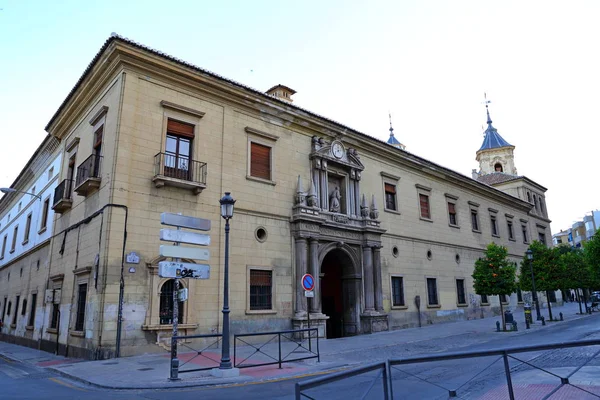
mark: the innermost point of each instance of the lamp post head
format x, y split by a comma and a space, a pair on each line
227, 203
7, 190
529, 254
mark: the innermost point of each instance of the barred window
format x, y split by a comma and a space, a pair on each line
460, 291
81, 298
397, 291
166, 304
432, 296
55, 312
261, 289
484, 299
32, 312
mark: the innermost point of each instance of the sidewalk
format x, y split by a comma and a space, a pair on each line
152, 370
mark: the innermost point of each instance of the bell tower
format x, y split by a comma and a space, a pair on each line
495, 154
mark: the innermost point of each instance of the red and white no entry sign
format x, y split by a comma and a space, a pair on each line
308, 282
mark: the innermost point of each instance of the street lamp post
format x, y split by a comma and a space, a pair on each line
227, 203
11, 190
529, 254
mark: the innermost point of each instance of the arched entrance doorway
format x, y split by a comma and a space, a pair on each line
340, 299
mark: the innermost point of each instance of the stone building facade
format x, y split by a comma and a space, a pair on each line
392, 237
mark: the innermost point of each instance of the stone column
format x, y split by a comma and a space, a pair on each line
357, 197
300, 270
377, 278
315, 306
350, 202
368, 279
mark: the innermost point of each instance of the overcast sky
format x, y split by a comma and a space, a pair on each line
428, 62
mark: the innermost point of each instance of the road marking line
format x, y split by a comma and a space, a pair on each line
60, 382
13, 372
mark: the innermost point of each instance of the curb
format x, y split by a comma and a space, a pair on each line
233, 383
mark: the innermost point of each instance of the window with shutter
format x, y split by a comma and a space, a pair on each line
178, 150
432, 295
452, 214
260, 161
261, 290
424, 203
390, 197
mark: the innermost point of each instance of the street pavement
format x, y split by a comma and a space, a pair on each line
51, 375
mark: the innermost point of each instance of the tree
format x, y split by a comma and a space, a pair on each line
494, 274
546, 268
576, 273
591, 253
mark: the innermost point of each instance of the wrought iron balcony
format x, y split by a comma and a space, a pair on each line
63, 198
179, 171
88, 175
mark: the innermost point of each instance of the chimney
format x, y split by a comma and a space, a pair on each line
282, 92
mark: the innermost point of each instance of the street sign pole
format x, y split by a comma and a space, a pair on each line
174, 359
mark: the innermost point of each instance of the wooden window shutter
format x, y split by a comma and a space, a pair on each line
389, 188
260, 161
180, 128
451, 208
424, 202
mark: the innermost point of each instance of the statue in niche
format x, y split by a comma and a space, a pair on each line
334, 200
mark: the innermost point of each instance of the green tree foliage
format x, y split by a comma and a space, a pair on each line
575, 271
494, 274
546, 268
591, 252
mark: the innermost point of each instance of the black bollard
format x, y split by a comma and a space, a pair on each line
497, 326
543, 321
561, 316
527, 324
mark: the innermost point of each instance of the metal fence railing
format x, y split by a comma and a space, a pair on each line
197, 354
280, 347
390, 371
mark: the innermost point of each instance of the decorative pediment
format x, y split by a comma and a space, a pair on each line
336, 152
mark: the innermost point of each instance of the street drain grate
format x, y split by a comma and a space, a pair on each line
145, 369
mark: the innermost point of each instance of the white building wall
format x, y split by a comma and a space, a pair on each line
17, 215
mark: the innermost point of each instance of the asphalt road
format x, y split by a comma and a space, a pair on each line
472, 377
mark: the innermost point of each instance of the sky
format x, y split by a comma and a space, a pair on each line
427, 62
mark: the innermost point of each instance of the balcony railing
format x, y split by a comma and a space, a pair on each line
178, 171
88, 175
63, 198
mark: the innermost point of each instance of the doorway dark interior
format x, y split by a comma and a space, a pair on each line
332, 298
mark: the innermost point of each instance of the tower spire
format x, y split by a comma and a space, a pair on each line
487, 110
392, 140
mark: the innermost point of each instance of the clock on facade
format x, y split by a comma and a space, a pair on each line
337, 149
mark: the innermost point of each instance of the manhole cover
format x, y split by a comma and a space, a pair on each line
145, 369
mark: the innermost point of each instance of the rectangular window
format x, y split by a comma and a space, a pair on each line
424, 205
32, 311
503, 299
474, 220
452, 214
432, 296
542, 238
3, 246
509, 226
460, 291
397, 291
14, 239
261, 289
4, 308
524, 229
494, 225
27, 229
552, 296
55, 312
178, 150
24, 307
260, 161
390, 197
44, 222
81, 297
14, 320
484, 299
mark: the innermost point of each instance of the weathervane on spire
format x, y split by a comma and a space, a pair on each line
486, 102
391, 128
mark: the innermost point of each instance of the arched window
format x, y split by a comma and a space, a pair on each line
166, 304
498, 167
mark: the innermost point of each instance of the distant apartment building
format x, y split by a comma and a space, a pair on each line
580, 232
